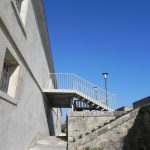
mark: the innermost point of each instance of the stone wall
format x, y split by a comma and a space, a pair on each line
84, 122
108, 137
138, 137
130, 131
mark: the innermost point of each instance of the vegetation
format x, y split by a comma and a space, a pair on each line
88, 148
80, 136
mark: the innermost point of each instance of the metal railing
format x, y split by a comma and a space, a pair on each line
70, 81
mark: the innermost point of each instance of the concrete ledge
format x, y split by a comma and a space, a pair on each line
7, 98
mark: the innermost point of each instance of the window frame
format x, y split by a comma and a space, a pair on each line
5, 77
9, 75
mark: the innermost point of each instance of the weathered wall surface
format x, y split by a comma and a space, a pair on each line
23, 118
84, 122
130, 132
108, 137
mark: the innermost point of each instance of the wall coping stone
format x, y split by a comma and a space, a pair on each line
95, 113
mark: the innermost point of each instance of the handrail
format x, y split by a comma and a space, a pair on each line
68, 81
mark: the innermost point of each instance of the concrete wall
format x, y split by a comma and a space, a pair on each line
84, 122
23, 118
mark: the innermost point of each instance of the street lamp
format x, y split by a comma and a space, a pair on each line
105, 74
95, 88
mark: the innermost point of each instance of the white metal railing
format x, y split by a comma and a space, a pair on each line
68, 81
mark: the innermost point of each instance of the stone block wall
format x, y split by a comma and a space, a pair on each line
108, 137
83, 123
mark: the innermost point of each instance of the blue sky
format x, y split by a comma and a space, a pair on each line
89, 37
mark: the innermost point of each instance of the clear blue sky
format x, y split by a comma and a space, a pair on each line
89, 37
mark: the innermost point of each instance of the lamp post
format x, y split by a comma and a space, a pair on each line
95, 88
105, 74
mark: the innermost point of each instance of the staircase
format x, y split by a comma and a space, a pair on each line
50, 143
64, 87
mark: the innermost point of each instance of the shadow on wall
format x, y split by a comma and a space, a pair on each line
138, 137
51, 122
49, 115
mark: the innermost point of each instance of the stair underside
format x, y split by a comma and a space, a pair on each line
63, 98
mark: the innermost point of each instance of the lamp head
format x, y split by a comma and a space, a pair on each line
105, 74
95, 88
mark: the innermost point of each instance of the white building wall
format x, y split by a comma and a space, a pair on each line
23, 118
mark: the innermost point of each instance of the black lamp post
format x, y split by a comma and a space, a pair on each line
95, 88
105, 74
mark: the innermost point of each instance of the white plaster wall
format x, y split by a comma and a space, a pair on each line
30, 47
36, 59
25, 119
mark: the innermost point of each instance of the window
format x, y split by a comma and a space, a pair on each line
9, 76
18, 3
5, 78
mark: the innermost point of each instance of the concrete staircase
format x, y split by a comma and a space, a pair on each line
50, 143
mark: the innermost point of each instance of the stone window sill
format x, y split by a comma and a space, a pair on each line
7, 98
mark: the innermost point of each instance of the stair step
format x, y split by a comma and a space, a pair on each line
48, 147
55, 137
50, 143
47, 142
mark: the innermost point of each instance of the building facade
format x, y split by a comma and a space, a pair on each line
25, 66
